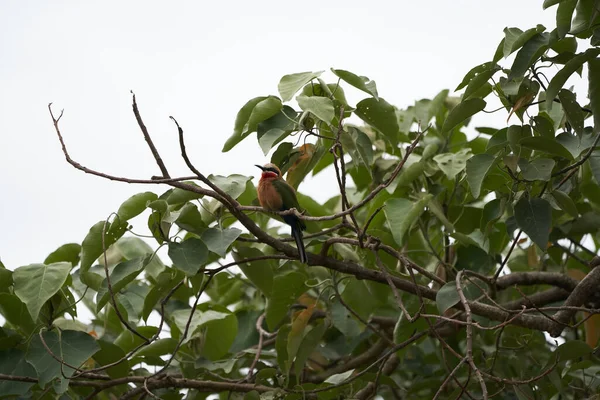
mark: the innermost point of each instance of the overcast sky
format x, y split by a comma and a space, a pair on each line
199, 61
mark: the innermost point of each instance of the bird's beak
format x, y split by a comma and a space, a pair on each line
260, 166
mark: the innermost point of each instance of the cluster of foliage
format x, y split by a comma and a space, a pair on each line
433, 273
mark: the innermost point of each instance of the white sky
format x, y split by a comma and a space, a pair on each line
200, 62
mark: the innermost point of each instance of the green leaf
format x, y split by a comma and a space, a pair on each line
240, 123
67, 252
133, 247
572, 109
514, 38
546, 145
534, 217
379, 114
321, 107
158, 348
402, 213
559, 80
564, 15
135, 205
544, 125
309, 343
217, 325
110, 353
531, 51
286, 289
479, 80
275, 129
190, 219
447, 297
252, 113
74, 347
178, 196
12, 362
539, 169
594, 162
594, 91
453, 163
360, 82
358, 144
550, 3
92, 248
461, 112
15, 312
37, 283
234, 185
218, 240
477, 168
572, 349
565, 203
290, 84
121, 275
339, 378
189, 256
473, 72
260, 273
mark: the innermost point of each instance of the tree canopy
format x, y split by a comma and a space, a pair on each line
455, 261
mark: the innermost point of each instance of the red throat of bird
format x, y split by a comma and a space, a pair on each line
266, 175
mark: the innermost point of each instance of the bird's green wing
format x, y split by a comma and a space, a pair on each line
288, 194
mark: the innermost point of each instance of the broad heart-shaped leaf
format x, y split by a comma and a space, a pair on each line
67, 252
74, 347
15, 311
260, 273
477, 168
290, 84
218, 240
594, 91
402, 213
453, 163
275, 129
110, 353
564, 15
234, 185
534, 217
360, 82
37, 283
572, 110
251, 114
358, 144
594, 162
12, 362
135, 205
321, 107
92, 247
121, 276
216, 323
379, 114
559, 80
133, 247
461, 112
189, 256
546, 145
447, 297
286, 289
178, 196
539, 169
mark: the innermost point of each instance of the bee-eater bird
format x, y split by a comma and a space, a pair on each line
275, 194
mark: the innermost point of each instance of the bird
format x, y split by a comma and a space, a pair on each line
275, 194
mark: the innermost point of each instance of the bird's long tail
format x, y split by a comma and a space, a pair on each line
297, 234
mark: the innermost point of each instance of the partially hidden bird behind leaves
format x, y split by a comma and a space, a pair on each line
275, 194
